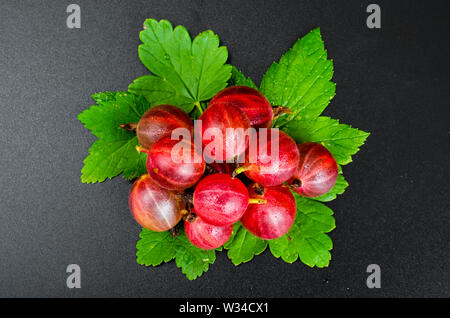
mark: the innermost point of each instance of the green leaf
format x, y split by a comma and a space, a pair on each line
155, 248
192, 260
185, 72
338, 188
341, 140
236, 227
243, 246
301, 80
307, 239
114, 151
109, 158
238, 79
104, 97
158, 91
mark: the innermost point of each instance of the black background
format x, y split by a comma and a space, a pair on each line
392, 82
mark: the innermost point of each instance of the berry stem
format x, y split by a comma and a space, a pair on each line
190, 217
199, 107
142, 149
186, 197
257, 201
259, 190
280, 110
174, 231
297, 183
240, 170
130, 127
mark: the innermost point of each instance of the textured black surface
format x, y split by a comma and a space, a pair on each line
392, 82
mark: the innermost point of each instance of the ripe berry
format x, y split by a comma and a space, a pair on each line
273, 219
158, 122
250, 101
154, 208
317, 170
268, 171
220, 199
171, 168
215, 121
205, 235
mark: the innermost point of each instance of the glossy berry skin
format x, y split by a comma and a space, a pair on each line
154, 208
217, 118
171, 170
317, 170
250, 101
272, 172
273, 219
159, 121
220, 199
205, 235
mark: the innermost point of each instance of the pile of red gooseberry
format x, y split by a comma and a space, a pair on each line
211, 197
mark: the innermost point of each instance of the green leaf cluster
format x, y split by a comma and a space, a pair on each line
301, 80
187, 73
155, 248
307, 239
113, 152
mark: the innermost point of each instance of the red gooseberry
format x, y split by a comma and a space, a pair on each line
317, 170
273, 219
222, 132
173, 164
153, 207
205, 235
268, 168
159, 122
254, 105
220, 199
